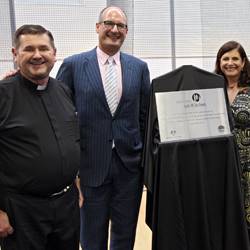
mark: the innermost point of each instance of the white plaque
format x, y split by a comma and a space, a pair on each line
192, 114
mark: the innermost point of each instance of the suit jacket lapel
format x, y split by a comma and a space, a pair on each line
94, 76
126, 77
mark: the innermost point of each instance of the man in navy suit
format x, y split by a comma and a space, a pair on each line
111, 141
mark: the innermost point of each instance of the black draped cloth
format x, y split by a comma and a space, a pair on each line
194, 199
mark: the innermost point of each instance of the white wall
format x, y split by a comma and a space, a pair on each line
198, 28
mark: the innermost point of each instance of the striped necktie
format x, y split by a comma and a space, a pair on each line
110, 86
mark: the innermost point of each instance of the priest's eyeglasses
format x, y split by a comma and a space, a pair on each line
110, 25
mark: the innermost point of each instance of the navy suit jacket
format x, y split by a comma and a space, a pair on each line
98, 128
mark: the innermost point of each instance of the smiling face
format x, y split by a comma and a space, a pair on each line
35, 56
111, 38
231, 64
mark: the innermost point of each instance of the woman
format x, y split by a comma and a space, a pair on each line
233, 64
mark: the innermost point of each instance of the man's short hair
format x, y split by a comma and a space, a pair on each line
31, 29
100, 19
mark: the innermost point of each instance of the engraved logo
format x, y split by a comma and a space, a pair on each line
196, 97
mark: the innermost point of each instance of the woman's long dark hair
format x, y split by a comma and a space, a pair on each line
244, 79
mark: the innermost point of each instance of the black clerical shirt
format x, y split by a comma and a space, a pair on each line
39, 138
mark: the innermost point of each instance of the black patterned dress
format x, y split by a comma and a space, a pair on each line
241, 114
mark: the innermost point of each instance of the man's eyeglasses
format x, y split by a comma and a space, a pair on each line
110, 25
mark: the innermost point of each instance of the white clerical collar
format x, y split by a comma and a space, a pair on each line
41, 87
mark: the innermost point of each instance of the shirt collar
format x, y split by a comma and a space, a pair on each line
103, 57
32, 86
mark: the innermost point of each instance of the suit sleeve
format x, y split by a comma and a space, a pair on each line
65, 74
144, 99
